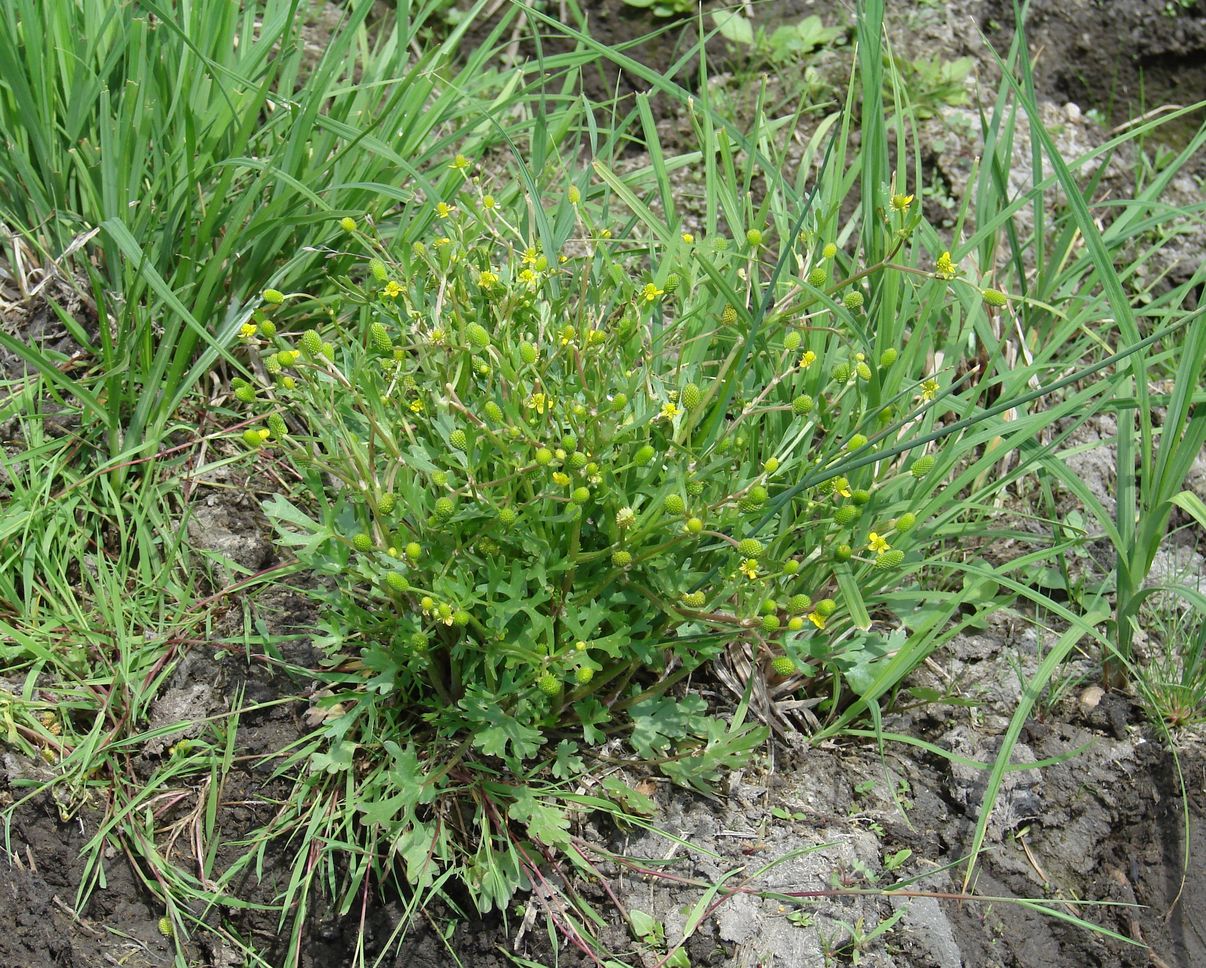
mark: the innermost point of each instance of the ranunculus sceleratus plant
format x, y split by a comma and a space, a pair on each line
537, 523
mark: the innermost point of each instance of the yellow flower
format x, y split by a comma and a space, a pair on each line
539, 402
459, 163
929, 389
843, 487
749, 568
650, 292
574, 195
902, 202
561, 479
688, 238
605, 234
807, 359
817, 619
946, 268
528, 278
444, 210
670, 410
488, 201
416, 406
248, 330
530, 255
392, 290
877, 544
487, 279
442, 241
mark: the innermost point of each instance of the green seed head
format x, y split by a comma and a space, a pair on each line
802, 405
826, 607
855, 442
846, 515
272, 365
770, 623
768, 607
549, 684
252, 438
479, 338
267, 328
674, 504
387, 502
493, 412
795, 623
527, 352
841, 373
860, 497
444, 508
458, 439
799, 604
544, 456
414, 551
619, 401
890, 559
507, 517
863, 371
363, 543
379, 339
581, 495
245, 394
695, 525
791, 342
770, 465
905, 522
923, 465
395, 581
728, 316
377, 268
621, 559
853, 300
888, 357
584, 675
994, 298
276, 426
817, 277
753, 237
791, 566
783, 667
843, 552
695, 599
749, 548
273, 297
578, 461
625, 518
645, 454
311, 343
691, 397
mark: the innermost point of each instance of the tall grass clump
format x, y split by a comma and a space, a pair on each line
185, 153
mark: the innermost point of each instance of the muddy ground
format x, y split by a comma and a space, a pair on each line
1103, 825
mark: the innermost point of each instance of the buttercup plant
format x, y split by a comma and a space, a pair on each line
540, 517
